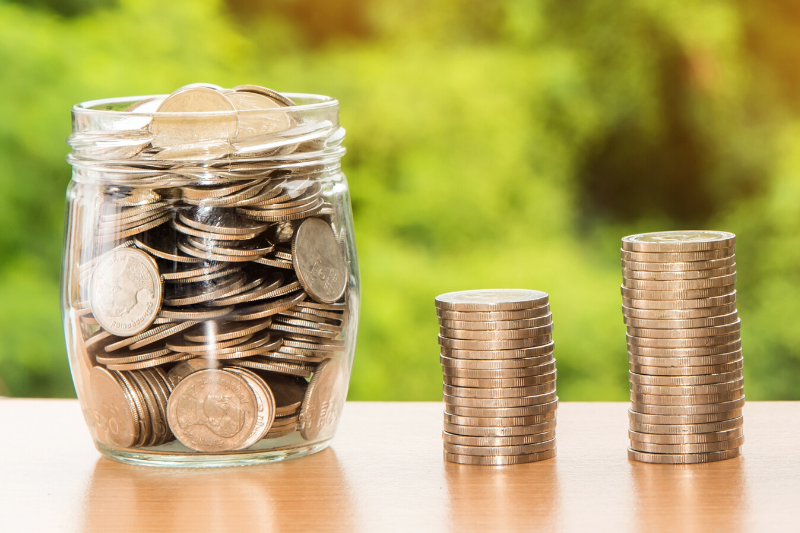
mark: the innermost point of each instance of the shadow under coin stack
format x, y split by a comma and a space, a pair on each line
499, 376
684, 348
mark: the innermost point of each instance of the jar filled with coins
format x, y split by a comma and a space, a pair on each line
210, 286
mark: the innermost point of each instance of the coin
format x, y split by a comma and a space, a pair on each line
678, 420
492, 316
519, 440
507, 383
125, 291
680, 266
116, 419
318, 261
505, 373
496, 421
686, 400
678, 381
288, 391
681, 295
718, 349
172, 126
498, 460
679, 285
689, 438
686, 361
507, 431
679, 314
453, 402
498, 354
316, 411
497, 325
542, 364
212, 411
265, 404
512, 344
678, 241
491, 300
504, 334
690, 333
149, 363
696, 342
499, 450
510, 412
681, 303
678, 275
677, 257
704, 322
691, 458
183, 369
691, 409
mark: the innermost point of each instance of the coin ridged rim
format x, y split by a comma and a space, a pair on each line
497, 325
132, 357
203, 192
679, 275
678, 285
686, 438
515, 353
132, 420
493, 316
685, 424
506, 431
171, 358
697, 409
533, 398
502, 421
713, 241
165, 255
264, 397
684, 333
691, 458
260, 292
217, 290
648, 447
188, 230
686, 370
258, 311
521, 381
111, 237
677, 257
239, 229
512, 344
688, 323
499, 450
504, 373
184, 276
697, 351
503, 412
235, 331
491, 300
686, 400
503, 334
705, 360
280, 368
683, 303
667, 295
714, 388
499, 460
517, 440
541, 365
679, 381
678, 314
194, 314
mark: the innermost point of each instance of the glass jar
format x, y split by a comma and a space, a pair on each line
210, 286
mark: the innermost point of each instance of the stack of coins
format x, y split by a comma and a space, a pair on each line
234, 282
499, 376
684, 348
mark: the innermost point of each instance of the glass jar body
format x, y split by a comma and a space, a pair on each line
210, 312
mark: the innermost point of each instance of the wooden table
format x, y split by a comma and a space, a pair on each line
385, 472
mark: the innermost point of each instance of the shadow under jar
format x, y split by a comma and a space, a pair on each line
210, 286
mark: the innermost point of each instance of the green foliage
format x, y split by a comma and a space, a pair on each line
490, 144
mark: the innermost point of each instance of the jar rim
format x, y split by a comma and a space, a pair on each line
309, 102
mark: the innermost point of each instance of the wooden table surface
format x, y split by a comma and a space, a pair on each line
385, 472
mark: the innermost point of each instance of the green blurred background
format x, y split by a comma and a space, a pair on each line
492, 143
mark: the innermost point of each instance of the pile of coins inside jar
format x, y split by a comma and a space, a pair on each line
212, 296
684, 348
499, 376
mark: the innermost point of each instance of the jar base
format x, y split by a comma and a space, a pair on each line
206, 460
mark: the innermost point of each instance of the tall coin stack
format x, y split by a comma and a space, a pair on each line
684, 348
499, 376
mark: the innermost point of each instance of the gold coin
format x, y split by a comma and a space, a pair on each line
688, 438
679, 275
677, 459
499, 450
517, 353
668, 295
493, 316
493, 335
496, 325
687, 333
681, 381
678, 285
504, 373
500, 422
485, 412
646, 351
682, 303
704, 322
697, 409
498, 460
494, 432
512, 344
695, 399
687, 420
488, 384
678, 314
686, 361
491, 300
678, 241
715, 388
677, 257
497, 402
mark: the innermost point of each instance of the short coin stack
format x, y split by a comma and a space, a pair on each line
499, 376
684, 348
